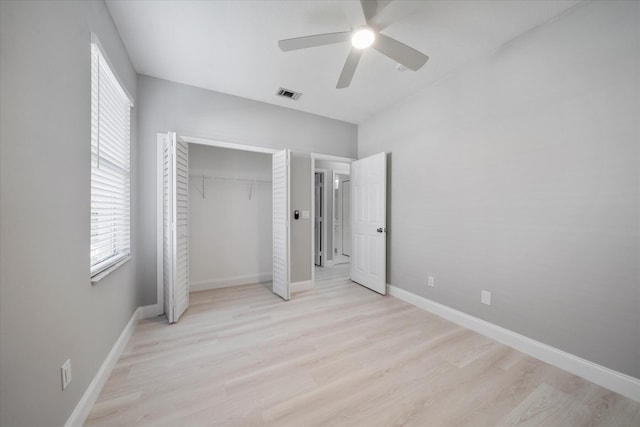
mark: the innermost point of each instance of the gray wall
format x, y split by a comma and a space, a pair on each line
300, 200
49, 311
191, 111
520, 174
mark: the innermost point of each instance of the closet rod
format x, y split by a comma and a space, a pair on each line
253, 182
229, 178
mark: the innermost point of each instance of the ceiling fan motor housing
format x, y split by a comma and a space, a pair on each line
363, 37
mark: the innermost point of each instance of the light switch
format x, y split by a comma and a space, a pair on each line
305, 214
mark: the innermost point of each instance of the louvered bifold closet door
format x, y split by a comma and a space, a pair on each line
281, 254
167, 221
181, 286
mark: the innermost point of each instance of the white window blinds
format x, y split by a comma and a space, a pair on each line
110, 167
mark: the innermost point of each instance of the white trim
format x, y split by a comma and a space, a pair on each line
313, 213
303, 285
204, 285
231, 145
104, 273
150, 311
605, 377
88, 399
332, 158
323, 230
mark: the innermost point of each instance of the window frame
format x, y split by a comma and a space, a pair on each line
110, 208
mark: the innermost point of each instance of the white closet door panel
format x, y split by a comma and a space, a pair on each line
281, 216
175, 218
181, 286
167, 213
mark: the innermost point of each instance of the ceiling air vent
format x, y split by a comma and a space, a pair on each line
288, 93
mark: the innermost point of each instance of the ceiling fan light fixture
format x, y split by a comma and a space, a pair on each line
363, 37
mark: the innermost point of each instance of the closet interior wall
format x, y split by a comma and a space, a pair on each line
230, 230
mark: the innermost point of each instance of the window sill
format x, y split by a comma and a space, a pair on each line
98, 277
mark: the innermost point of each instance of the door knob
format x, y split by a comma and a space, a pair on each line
380, 230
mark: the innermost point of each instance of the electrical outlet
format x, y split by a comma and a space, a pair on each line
65, 370
485, 297
431, 282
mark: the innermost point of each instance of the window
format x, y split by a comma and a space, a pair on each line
110, 167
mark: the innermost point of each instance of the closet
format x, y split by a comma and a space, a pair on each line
230, 217
223, 218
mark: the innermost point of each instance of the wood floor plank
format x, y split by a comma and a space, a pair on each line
337, 354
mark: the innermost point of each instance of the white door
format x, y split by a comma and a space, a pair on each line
175, 226
281, 220
369, 226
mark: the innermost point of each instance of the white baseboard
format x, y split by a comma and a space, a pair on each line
88, 399
616, 381
328, 263
304, 285
149, 311
205, 285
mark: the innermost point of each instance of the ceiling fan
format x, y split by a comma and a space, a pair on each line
368, 35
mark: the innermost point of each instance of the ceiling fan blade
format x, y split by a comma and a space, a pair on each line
370, 9
395, 12
399, 52
349, 68
313, 41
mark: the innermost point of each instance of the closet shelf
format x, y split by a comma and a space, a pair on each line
204, 178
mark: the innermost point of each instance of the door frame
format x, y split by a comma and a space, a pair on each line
159, 196
314, 157
323, 227
333, 213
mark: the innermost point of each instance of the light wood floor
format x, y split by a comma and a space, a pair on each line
336, 355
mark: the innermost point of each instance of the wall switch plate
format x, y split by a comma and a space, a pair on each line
305, 214
485, 297
431, 282
65, 371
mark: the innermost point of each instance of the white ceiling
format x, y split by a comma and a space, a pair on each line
231, 46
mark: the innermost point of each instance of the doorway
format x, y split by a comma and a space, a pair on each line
331, 230
341, 217
362, 234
